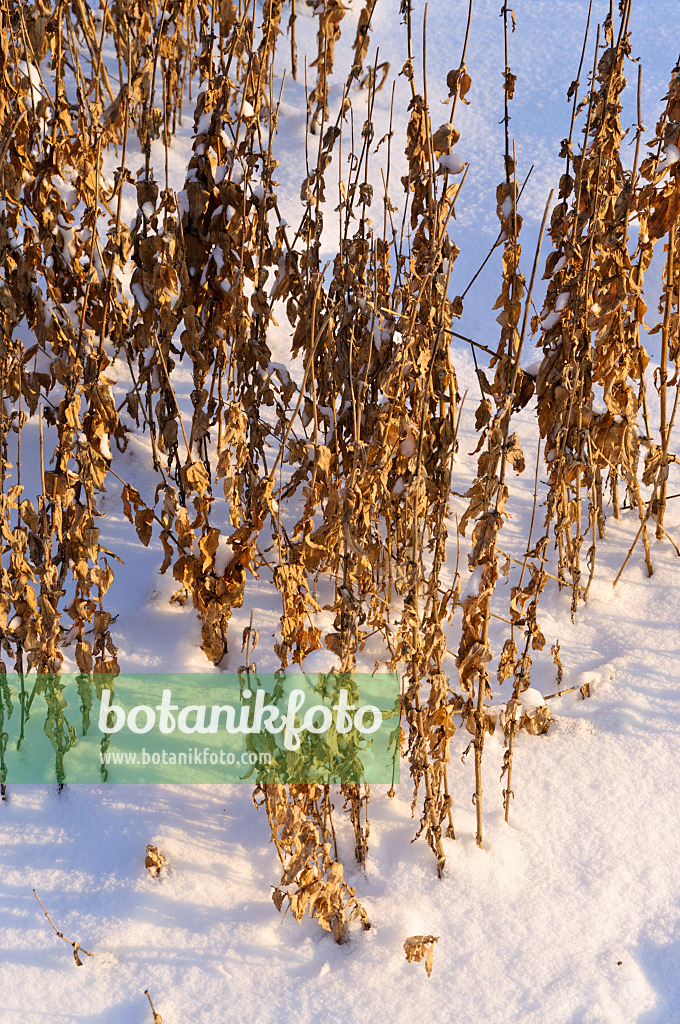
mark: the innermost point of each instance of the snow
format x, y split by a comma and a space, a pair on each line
140, 297
409, 444
204, 122
531, 699
550, 320
31, 72
671, 155
571, 913
67, 192
105, 447
241, 108
473, 583
452, 162
573, 886
533, 367
68, 234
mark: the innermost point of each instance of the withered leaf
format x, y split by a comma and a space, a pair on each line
143, 524
421, 947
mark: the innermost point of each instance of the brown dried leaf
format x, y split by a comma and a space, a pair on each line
143, 520
421, 947
154, 860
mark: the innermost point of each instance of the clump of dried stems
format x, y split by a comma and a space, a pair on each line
336, 481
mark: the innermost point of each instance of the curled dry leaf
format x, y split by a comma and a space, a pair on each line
154, 861
421, 947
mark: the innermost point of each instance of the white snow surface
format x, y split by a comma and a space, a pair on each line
570, 914
452, 162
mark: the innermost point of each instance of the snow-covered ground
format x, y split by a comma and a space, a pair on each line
571, 913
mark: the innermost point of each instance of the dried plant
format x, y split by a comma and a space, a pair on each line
154, 861
421, 947
332, 483
77, 948
312, 881
157, 1019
